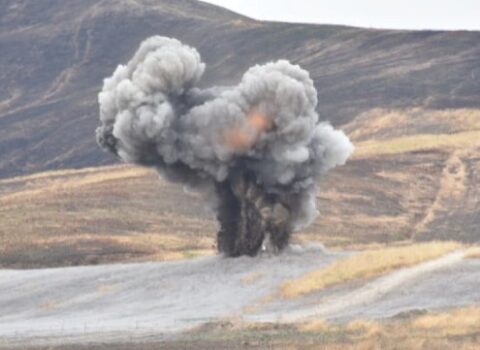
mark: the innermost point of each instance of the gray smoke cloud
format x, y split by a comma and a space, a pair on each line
258, 144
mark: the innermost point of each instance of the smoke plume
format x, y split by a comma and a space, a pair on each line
259, 144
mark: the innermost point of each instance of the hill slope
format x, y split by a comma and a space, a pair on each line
56, 53
384, 195
410, 101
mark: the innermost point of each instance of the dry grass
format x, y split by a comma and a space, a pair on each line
61, 173
380, 123
123, 213
58, 182
453, 184
421, 142
459, 322
434, 208
366, 264
456, 329
473, 253
314, 326
391, 198
99, 215
375, 121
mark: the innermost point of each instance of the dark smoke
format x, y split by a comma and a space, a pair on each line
259, 144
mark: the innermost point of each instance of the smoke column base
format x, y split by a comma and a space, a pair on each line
249, 217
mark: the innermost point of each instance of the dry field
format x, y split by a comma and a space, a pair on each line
398, 188
366, 264
99, 215
453, 329
473, 253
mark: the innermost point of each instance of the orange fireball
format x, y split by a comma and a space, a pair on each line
243, 137
258, 121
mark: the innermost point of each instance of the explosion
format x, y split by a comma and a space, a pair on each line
258, 146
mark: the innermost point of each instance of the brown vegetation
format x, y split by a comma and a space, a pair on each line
366, 264
455, 329
473, 253
99, 215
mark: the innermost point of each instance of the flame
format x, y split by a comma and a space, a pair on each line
258, 121
243, 137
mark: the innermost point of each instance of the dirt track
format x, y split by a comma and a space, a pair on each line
158, 300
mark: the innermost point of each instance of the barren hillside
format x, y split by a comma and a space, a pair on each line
55, 53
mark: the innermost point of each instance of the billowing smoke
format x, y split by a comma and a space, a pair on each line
259, 145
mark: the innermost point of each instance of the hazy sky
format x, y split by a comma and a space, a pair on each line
400, 14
